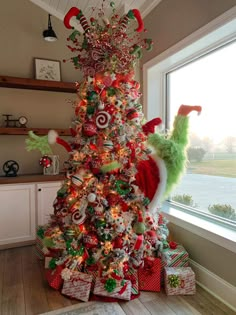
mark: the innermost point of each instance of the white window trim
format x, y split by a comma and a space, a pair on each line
213, 35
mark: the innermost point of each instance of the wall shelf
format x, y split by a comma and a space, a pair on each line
32, 84
37, 131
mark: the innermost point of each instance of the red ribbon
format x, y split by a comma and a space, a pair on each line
138, 242
122, 290
115, 276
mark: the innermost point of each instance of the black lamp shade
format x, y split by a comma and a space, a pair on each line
49, 34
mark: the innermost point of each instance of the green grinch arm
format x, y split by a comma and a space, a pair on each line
172, 150
35, 142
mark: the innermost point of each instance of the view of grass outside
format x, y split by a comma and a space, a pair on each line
209, 184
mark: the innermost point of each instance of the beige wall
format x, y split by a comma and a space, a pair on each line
21, 27
167, 24
173, 20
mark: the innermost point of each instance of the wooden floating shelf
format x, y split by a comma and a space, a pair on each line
32, 84
37, 131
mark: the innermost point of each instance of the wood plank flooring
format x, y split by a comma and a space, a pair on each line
24, 291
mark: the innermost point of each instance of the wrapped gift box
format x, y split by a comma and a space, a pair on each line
177, 257
132, 276
121, 291
54, 277
78, 287
94, 272
149, 275
179, 281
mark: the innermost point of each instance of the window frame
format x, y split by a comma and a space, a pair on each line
212, 36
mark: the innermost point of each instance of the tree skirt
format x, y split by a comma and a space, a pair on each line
90, 308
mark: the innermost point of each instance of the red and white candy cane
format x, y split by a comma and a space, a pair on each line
131, 15
79, 16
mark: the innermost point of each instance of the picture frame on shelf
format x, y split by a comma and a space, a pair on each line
46, 69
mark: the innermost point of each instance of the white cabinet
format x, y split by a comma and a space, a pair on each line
17, 213
22, 208
46, 194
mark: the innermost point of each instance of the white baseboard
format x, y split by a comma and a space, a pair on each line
219, 288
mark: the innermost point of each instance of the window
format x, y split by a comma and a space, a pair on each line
200, 70
209, 184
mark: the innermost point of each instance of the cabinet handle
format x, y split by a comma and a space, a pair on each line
39, 189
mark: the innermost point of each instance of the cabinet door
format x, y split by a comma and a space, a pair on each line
46, 194
17, 213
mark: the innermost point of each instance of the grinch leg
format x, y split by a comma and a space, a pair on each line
184, 110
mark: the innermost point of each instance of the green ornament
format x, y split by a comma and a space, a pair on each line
90, 210
139, 228
111, 91
90, 261
52, 263
90, 110
100, 223
112, 4
110, 285
92, 96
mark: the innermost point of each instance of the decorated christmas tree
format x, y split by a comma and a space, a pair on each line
106, 218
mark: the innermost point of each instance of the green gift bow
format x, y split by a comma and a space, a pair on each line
174, 281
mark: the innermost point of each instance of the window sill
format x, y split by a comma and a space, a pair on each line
208, 229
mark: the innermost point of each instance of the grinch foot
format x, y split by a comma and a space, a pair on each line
184, 110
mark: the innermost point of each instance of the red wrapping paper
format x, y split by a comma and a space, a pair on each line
54, 277
149, 275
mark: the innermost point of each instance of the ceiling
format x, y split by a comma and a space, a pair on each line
59, 8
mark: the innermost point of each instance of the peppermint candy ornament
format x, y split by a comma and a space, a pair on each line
78, 217
103, 119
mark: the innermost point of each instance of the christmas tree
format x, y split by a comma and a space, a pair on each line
106, 219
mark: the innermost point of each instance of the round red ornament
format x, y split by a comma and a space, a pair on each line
89, 129
95, 165
90, 240
45, 161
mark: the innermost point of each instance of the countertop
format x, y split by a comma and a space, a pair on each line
31, 178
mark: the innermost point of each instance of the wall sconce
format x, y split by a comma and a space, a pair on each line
49, 34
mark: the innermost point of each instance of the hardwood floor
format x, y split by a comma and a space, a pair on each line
23, 291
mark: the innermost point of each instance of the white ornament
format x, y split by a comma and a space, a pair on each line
91, 197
